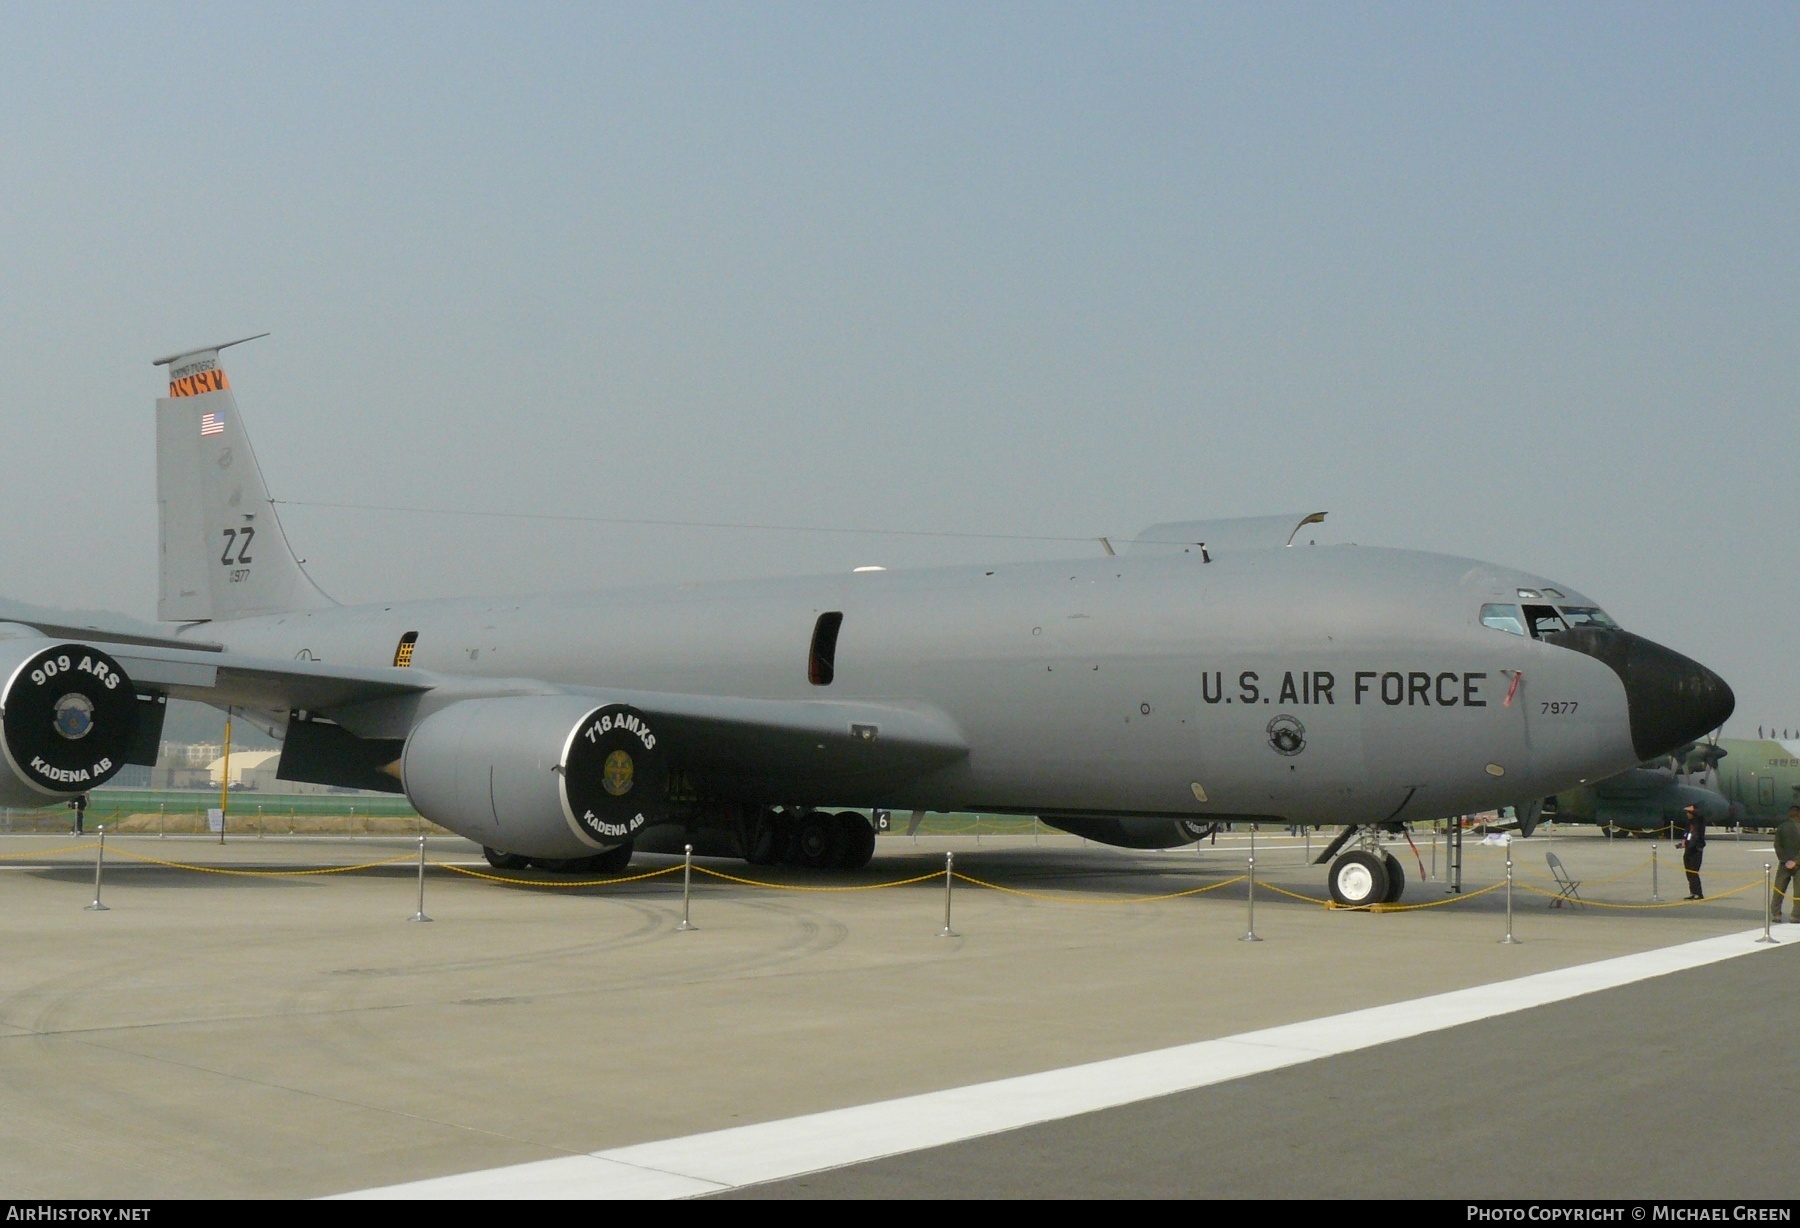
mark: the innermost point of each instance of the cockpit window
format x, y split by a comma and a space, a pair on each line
1586, 616
1503, 618
1543, 620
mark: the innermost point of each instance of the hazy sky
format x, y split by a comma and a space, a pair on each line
1515, 281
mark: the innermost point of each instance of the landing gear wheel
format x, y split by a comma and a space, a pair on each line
763, 843
820, 840
1358, 880
857, 843
786, 840
560, 865
504, 861
1396, 879
612, 861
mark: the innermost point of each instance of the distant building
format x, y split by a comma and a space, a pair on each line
188, 754
197, 767
250, 769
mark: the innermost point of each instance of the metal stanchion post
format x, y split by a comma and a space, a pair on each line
1250, 895
1434, 837
420, 915
1768, 902
99, 861
1654, 897
687, 879
949, 876
162, 820
1509, 940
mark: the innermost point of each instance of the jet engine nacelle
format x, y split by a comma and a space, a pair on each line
542, 776
67, 716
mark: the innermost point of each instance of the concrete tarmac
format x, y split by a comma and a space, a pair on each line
1630, 1093
229, 1036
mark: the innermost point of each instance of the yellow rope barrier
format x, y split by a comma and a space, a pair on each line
1751, 883
1724, 895
551, 882
1449, 899
1294, 895
751, 882
1519, 865
1063, 899
67, 848
1538, 874
179, 865
1452, 899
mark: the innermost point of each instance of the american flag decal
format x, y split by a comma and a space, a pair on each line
212, 424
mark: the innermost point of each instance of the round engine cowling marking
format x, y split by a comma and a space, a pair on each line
69, 716
615, 776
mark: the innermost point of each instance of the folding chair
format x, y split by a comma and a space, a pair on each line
1567, 889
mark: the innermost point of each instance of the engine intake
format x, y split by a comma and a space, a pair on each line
67, 716
550, 776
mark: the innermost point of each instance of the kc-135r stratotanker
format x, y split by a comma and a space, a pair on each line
1212, 673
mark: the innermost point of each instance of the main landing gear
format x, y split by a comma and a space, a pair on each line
611, 861
815, 839
1364, 876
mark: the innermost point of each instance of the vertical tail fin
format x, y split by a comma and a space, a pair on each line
224, 554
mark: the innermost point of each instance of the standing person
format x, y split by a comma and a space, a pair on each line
1787, 861
79, 806
1693, 846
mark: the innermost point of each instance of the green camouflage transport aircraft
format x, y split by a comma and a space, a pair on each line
1730, 780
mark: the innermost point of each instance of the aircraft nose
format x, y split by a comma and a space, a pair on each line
1672, 699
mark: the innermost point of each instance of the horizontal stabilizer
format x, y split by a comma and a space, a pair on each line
94, 626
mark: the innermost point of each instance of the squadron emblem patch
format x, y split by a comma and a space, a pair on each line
616, 776
1287, 736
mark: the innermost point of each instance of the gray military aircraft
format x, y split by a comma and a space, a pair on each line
1212, 673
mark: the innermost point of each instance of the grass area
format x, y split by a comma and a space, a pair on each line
144, 810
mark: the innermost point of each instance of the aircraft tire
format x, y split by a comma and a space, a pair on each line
763, 845
1358, 880
560, 865
787, 839
504, 861
819, 842
613, 861
857, 841
1396, 878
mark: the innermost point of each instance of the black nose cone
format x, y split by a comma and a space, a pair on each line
1672, 700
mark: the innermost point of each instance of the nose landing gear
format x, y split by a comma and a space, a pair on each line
1366, 876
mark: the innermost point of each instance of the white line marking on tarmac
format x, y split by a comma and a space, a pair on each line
749, 1155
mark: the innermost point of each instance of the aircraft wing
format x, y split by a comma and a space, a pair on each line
763, 747
226, 679
727, 745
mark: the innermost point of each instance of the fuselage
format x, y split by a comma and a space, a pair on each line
1331, 684
1762, 776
